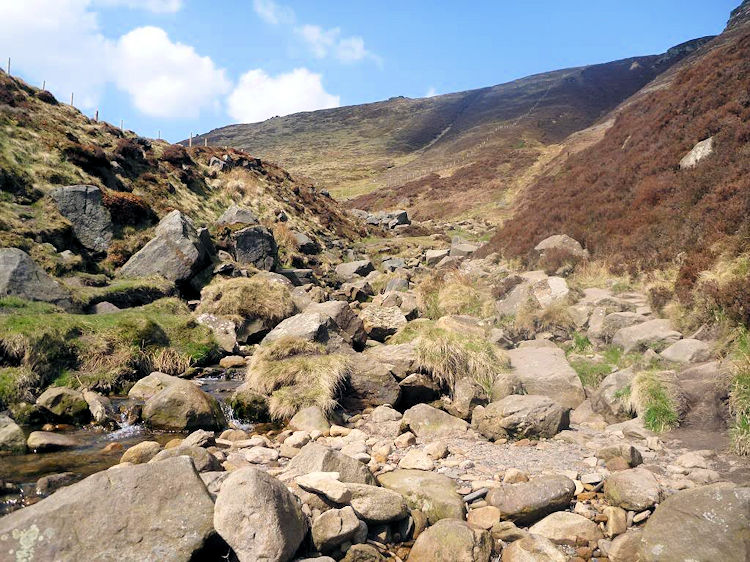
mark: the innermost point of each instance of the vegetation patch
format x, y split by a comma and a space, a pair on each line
739, 396
241, 299
454, 293
656, 397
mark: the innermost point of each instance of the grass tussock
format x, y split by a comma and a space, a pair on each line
739, 396
655, 396
294, 374
532, 319
242, 299
454, 293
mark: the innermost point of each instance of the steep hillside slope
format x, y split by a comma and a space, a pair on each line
627, 197
426, 154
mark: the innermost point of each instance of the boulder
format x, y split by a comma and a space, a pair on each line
564, 527
699, 152
549, 291
346, 323
310, 419
432, 257
248, 405
462, 249
52, 482
202, 459
326, 484
533, 549
65, 404
707, 523
43, 441
82, 206
636, 489
356, 553
432, 493
626, 547
237, 215
380, 322
429, 423
687, 351
12, 438
417, 389
305, 244
452, 540
165, 507
546, 371
21, 277
314, 457
141, 453
310, 326
375, 504
561, 242
151, 385
402, 358
258, 517
370, 384
511, 303
101, 408
613, 322
350, 270
182, 406
526, 502
606, 399
223, 329
333, 528
645, 334
519, 416
256, 246
177, 252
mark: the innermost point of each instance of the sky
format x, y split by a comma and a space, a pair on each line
176, 67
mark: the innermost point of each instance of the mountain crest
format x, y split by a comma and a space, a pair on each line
740, 15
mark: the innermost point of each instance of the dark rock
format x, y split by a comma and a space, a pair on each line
21, 277
82, 206
256, 245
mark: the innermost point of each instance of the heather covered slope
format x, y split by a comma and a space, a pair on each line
423, 153
627, 198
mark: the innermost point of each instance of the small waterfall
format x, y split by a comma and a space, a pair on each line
232, 420
125, 430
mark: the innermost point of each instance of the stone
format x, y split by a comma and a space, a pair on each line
462, 249
430, 423
151, 385
546, 371
248, 405
85, 520
314, 457
350, 270
43, 441
418, 389
141, 452
12, 438
82, 206
606, 400
706, 523
326, 484
436, 450
309, 326
202, 459
432, 257
561, 242
526, 502
434, 494
232, 362
261, 455
371, 384
348, 324
385, 413
375, 504
484, 517
52, 482
67, 405
177, 252
416, 459
698, 153
568, 528
617, 521
613, 322
358, 553
182, 406
452, 540
626, 451
520, 416
549, 291
105, 307
237, 215
333, 528
687, 351
401, 358
258, 517
640, 336
21, 277
405, 440
256, 246
223, 329
636, 489
101, 408
310, 419
533, 549
380, 322
514, 476
305, 244
626, 547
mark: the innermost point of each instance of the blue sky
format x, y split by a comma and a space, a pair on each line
181, 66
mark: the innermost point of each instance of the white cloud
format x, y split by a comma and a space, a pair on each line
259, 96
155, 6
273, 13
166, 79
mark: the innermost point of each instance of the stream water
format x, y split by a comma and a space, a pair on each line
19, 473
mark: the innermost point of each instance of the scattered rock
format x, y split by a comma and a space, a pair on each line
21, 277
687, 351
42, 441
428, 422
452, 540
432, 493
12, 438
635, 489
255, 245
310, 419
141, 453
546, 371
533, 549
380, 322
334, 527
375, 504
568, 528
237, 215
318, 458
349, 270
202, 459
652, 332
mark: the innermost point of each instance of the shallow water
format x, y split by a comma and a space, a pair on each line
22, 471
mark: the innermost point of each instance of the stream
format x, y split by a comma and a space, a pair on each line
19, 473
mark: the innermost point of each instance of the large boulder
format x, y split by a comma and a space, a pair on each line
706, 523
564, 527
561, 242
402, 358
255, 245
375, 504
21, 277
82, 206
202, 459
182, 406
380, 322
546, 371
258, 517
452, 540
645, 334
334, 527
12, 438
636, 489
67, 405
687, 351
432, 493
607, 400
223, 329
43, 441
347, 324
371, 384
314, 457
352, 269
152, 384
177, 251
523, 416
429, 423
699, 152
237, 215
148, 512
526, 502
549, 291
310, 326
310, 419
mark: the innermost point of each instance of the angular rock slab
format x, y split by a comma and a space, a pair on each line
432, 493
526, 502
546, 371
148, 512
523, 416
428, 422
21, 277
82, 206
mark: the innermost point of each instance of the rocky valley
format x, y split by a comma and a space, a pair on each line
503, 324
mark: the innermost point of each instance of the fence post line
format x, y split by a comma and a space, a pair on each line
190, 142
8, 71
121, 124
71, 98
44, 84
96, 116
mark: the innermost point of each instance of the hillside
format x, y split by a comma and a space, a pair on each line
627, 197
451, 153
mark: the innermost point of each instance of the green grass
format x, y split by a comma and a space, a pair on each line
739, 395
655, 397
591, 373
123, 292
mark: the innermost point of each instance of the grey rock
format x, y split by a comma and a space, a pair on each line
48, 484
255, 245
606, 399
305, 244
202, 459
350, 270
533, 549
452, 540
12, 438
636, 489
82, 206
310, 326
519, 416
546, 371
433, 257
101, 408
699, 152
434, 494
333, 528
237, 215
640, 336
183, 406
224, 330
380, 322
371, 384
428, 422
687, 351
346, 323
67, 405
141, 453
21, 277
526, 502
375, 504
561, 242
151, 385
318, 458
310, 419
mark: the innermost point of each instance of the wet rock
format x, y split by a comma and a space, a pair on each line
452, 540
82, 206
526, 502
519, 416
428, 422
432, 493
21, 277
141, 453
309, 326
43, 441
67, 405
333, 528
86, 518
102, 410
202, 459
546, 371
48, 484
371, 384
636, 489
568, 528
255, 245
151, 385
380, 322
12, 438
258, 517
248, 405
183, 406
